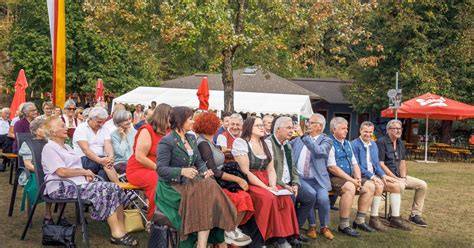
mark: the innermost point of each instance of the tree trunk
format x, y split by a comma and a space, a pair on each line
228, 53
228, 80
446, 131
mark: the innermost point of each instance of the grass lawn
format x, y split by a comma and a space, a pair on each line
448, 211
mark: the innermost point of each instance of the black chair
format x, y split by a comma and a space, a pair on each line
20, 138
36, 147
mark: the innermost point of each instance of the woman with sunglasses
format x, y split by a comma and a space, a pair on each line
274, 215
69, 117
79, 115
186, 194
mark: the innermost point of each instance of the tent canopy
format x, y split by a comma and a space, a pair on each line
433, 107
243, 101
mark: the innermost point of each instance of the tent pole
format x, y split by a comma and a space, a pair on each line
426, 141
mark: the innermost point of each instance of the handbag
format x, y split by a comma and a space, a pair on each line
133, 220
233, 169
162, 236
58, 235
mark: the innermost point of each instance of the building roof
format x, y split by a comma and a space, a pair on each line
246, 80
328, 89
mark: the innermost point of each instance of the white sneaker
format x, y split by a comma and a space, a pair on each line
237, 238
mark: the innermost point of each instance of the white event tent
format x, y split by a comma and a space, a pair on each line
243, 101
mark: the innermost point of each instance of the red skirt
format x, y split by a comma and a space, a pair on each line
146, 179
275, 215
242, 202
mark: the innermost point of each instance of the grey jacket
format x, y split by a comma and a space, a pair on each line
172, 157
319, 156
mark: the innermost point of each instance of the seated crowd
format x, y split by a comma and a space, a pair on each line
229, 181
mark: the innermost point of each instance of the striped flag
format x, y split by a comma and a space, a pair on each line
57, 23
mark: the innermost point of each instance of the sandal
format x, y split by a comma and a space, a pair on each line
126, 240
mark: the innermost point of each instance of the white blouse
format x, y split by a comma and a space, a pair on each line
240, 148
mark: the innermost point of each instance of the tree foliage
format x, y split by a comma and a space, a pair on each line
429, 42
89, 55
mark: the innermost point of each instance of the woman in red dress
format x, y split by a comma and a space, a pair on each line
274, 215
141, 167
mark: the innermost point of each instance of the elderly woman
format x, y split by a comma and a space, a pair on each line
31, 189
185, 193
141, 167
93, 143
205, 126
60, 161
29, 112
274, 215
69, 117
122, 139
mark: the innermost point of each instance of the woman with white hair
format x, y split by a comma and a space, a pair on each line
29, 112
122, 139
69, 117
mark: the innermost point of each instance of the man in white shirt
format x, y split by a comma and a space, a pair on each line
226, 139
5, 142
92, 142
346, 180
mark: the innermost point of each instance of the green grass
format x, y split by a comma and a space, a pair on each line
448, 211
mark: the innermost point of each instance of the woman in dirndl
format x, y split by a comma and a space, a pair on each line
186, 193
274, 215
108, 200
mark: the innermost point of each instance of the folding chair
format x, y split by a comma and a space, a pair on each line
125, 185
36, 147
20, 137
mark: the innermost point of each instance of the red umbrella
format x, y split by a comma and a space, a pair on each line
203, 94
434, 107
20, 95
431, 106
99, 91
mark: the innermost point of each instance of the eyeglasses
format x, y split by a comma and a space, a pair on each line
313, 122
396, 128
258, 125
71, 108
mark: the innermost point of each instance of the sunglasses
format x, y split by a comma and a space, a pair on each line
71, 108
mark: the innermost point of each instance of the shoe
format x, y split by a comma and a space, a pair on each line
302, 238
417, 220
286, 245
295, 241
398, 222
2, 168
311, 233
349, 231
237, 238
334, 208
63, 222
363, 226
376, 224
326, 233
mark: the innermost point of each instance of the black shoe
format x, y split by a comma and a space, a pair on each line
417, 220
349, 231
334, 208
300, 238
363, 227
295, 242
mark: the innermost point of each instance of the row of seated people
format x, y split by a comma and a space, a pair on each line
186, 164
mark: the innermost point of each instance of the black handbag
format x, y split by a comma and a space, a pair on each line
162, 234
233, 169
58, 235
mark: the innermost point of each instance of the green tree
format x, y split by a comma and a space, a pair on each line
89, 55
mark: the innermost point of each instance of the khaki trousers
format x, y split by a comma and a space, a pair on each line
420, 187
